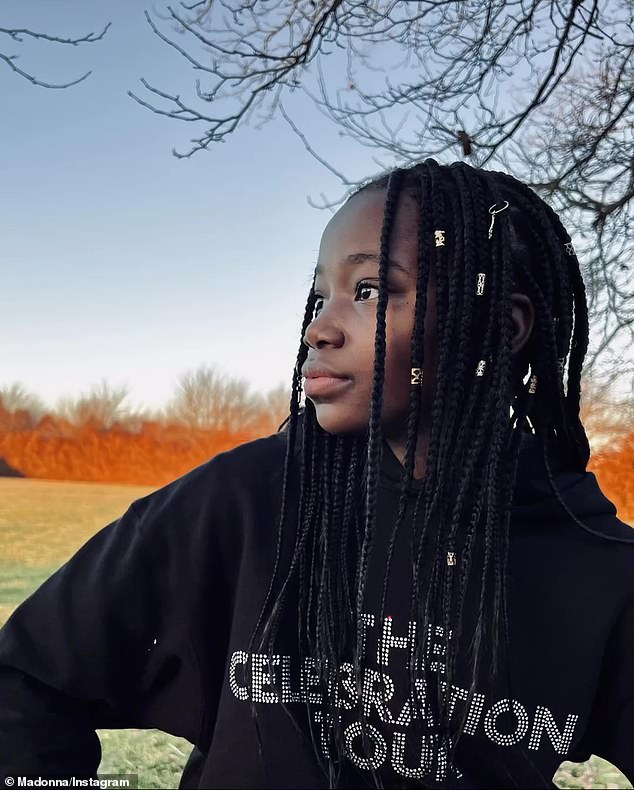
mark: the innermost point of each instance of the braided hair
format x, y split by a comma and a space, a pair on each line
475, 427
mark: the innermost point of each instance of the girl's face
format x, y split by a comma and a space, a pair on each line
341, 336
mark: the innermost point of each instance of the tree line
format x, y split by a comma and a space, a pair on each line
98, 437
204, 399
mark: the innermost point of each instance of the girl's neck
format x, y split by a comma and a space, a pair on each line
398, 446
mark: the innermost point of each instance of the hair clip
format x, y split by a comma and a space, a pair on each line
480, 285
480, 369
451, 558
439, 237
561, 364
569, 247
417, 376
493, 211
532, 384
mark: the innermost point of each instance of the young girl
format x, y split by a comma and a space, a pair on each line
414, 584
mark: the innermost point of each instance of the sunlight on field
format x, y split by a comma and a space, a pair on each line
42, 523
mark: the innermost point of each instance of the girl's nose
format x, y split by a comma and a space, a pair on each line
323, 330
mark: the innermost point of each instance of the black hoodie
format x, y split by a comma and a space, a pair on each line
148, 624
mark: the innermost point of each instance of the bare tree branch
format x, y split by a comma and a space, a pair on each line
542, 88
18, 35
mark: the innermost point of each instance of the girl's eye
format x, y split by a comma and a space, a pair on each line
363, 289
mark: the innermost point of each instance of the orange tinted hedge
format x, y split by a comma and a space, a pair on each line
159, 453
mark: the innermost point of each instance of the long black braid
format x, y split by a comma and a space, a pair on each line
485, 398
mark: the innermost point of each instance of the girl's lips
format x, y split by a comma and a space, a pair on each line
324, 385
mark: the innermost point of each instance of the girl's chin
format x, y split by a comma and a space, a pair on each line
337, 418
339, 421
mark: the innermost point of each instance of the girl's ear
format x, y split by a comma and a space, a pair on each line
523, 315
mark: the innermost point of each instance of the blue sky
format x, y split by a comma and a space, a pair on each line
120, 261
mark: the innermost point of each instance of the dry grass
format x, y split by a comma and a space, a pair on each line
42, 523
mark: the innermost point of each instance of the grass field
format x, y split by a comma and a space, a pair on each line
42, 523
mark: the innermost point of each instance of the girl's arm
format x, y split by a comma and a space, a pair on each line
102, 643
611, 731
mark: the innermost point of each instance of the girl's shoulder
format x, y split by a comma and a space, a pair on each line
547, 491
245, 471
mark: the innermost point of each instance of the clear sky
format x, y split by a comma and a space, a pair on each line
120, 261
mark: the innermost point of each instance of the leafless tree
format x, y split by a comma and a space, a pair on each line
103, 406
15, 398
12, 37
540, 88
580, 155
208, 399
276, 405
608, 417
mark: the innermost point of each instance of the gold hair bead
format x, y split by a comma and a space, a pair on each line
480, 369
569, 247
561, 362
439, 238
532, 384
451, 558
480, 285
417, 376
493, 211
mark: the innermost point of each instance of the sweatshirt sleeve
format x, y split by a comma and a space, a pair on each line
100, 641
611, 728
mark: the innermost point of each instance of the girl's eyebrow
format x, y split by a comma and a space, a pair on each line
367, 257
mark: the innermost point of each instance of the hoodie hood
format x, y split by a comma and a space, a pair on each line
533, 495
